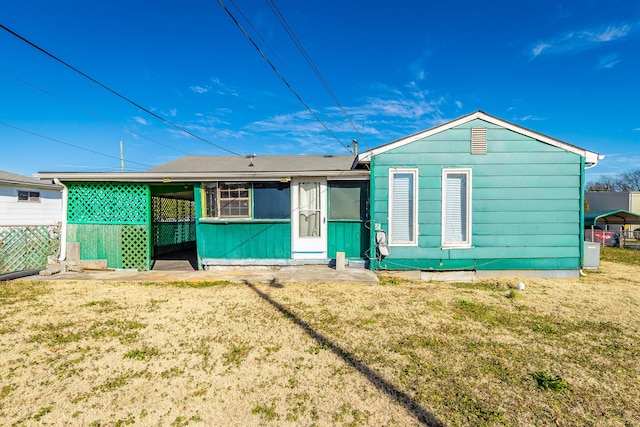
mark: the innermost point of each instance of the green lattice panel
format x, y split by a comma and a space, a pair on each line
27, 247
173, 221
135, 251
108, 203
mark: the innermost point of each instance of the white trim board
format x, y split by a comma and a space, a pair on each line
591, 157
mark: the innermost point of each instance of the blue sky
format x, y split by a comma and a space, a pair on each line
566, 69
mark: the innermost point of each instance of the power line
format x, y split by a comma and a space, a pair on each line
315, 69
275, 70
273, 52
87, 111
70, 145
119, 95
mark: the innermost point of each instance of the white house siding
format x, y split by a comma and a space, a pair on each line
47, 211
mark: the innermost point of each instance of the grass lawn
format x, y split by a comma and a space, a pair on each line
559, 352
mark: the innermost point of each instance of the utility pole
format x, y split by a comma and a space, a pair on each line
121, 157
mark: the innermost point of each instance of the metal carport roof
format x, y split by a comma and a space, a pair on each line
619, 216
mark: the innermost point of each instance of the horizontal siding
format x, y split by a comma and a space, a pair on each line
47, 211
507, 252
417, 158
506, 170
235, 240
526, 205
540, 181
570, 263
525, 199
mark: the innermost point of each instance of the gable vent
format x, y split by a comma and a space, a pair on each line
478, 141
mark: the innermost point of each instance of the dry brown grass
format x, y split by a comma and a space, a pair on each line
87, 353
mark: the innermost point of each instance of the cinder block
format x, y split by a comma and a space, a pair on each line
73, 252
339, 261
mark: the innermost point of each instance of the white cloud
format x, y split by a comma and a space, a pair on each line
458, 104
200, 89
173, 112
140, 120
611, 33
529, 117
578, 41
223, 89
539, 48
637, 129
399, 111
607, 62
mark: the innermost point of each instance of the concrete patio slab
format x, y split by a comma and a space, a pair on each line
253, 274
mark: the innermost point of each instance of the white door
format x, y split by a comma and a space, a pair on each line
309, 219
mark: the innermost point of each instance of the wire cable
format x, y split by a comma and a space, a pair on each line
88, 111
273, 52
275, 70
119, 95
315, 69
69, 144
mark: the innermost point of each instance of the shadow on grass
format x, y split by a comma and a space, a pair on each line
410, 404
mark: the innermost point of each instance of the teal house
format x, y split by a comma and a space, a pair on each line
477, 193
255, 210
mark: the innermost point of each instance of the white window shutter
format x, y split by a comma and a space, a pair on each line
456, 211
402, 208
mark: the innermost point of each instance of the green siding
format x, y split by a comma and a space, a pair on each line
98, 241
244, 239
526, 201
350, 237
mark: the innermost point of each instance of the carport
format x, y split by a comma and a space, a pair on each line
618, 220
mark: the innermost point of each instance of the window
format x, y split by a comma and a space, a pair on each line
228, 200
348, 199
403, 207
456, 208
271, 200
28, 196
260, 200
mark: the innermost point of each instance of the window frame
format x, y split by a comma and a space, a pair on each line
279, 186
467, 242
414, 194
31, 196
212, 200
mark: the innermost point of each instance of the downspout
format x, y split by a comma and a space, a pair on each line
63, 226
373, 259
582, 188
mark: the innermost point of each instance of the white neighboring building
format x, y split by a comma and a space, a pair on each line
28, 201
613, 200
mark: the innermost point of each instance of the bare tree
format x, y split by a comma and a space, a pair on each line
604, 183
624, 181
629, 180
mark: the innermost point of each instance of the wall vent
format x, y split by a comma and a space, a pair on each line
478, 141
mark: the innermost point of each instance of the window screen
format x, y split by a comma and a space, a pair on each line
348, 199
